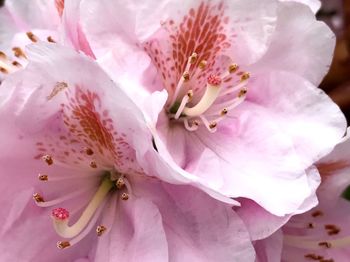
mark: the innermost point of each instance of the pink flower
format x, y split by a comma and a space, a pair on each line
322, 234
229, 89
72, 137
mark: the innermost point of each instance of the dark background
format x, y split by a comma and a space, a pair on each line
336, 13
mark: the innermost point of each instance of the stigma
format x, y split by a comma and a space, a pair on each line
195, 106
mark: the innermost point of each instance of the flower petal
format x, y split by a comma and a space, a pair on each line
300, 44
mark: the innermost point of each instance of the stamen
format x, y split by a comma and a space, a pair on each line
234, 88
48, 159
202, 64
100, 230
184, 101
317, 213
63, 198
38, 198
193, 58
18, 52
233, 68
93, 164
32, 37
63, 244
192, 127
50, 39
209, 97
61, 226
120, 183
43, 177
245, 76
210, 126
125, 196
17, 64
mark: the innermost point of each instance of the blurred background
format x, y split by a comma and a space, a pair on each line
336, 13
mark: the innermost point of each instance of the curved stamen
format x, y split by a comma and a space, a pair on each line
62, 199
61, 225
189, 127
209, 97
234, 88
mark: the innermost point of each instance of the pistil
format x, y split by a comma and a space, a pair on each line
61, 216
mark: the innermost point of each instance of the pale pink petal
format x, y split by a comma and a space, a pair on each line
198, 227
269, 249
137, 234
33, 14
308, 55
301, 111
72, 29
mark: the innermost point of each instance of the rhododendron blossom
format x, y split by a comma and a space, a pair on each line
80, 146
228, 88
322, 234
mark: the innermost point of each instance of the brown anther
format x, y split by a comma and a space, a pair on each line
17, 64
63, 244
38, 198
88, 151
3, 70
125, 196
190, 94
100, 230
317, 213
193, 58
2, 55
48, 159
93, 164
50, 39
59, 86
186, 76
313, 256
224, 112
213, 125
245, 76
202, 64
329, 226
325, 244
233, 68
18, 52
120, 183
332, 229
310, 225
242, 92
196, 123
32, 37
43, 177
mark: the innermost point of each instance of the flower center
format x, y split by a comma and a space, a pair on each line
328, 241
207, 108
111, 182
